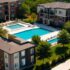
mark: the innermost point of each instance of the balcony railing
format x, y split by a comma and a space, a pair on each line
48, 11
51, 12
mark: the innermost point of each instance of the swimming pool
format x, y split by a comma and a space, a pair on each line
53, 40
28, 34
15, 26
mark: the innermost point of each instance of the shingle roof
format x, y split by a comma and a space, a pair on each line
1, 1
56, 5
11, 47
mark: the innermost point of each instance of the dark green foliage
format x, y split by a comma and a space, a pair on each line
61, 51
64, 37
30, 6
67, 26
36, 39
43, 49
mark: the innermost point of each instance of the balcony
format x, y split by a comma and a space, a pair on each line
41, 14
12, 5
41, 11
51, 12
46, 10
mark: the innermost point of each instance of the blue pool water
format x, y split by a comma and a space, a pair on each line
30, 33
14, 26
53, 40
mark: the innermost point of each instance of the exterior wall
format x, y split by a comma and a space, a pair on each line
2, 60
9, 12
61, 12
16, 61
6, 61
1, 11
27, 58
11, 62
39, 8
56, 17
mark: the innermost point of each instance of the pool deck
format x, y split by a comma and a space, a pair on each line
49, 36
28, 26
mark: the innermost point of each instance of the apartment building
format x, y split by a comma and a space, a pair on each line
55, 13
14, 56
8, 9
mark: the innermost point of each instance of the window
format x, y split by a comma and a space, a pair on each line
60, 12
12, 5
23, 53
32, 50
16, 65
12, 15
6, 64
55, 11
32, 58
6, 56
0, 5
12, 11
23, 61
16, 55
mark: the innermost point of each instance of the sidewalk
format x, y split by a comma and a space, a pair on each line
63, 66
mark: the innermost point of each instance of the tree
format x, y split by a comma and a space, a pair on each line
34, 17
23, 10
67, 26
43, 49
3, 33
64, 37
61, 51
36, 39
31, 5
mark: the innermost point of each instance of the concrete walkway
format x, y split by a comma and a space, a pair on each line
63, 66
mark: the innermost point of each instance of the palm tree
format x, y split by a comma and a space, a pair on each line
43, 50
36, 39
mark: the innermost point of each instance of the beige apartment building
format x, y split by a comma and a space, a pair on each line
55, 13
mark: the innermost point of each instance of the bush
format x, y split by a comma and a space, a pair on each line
28, 20
67, 26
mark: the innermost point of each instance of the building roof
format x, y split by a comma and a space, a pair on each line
1, 1
57, 5
12, 47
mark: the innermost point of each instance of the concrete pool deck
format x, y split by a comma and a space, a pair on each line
28, 26
13, 31
63, 66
